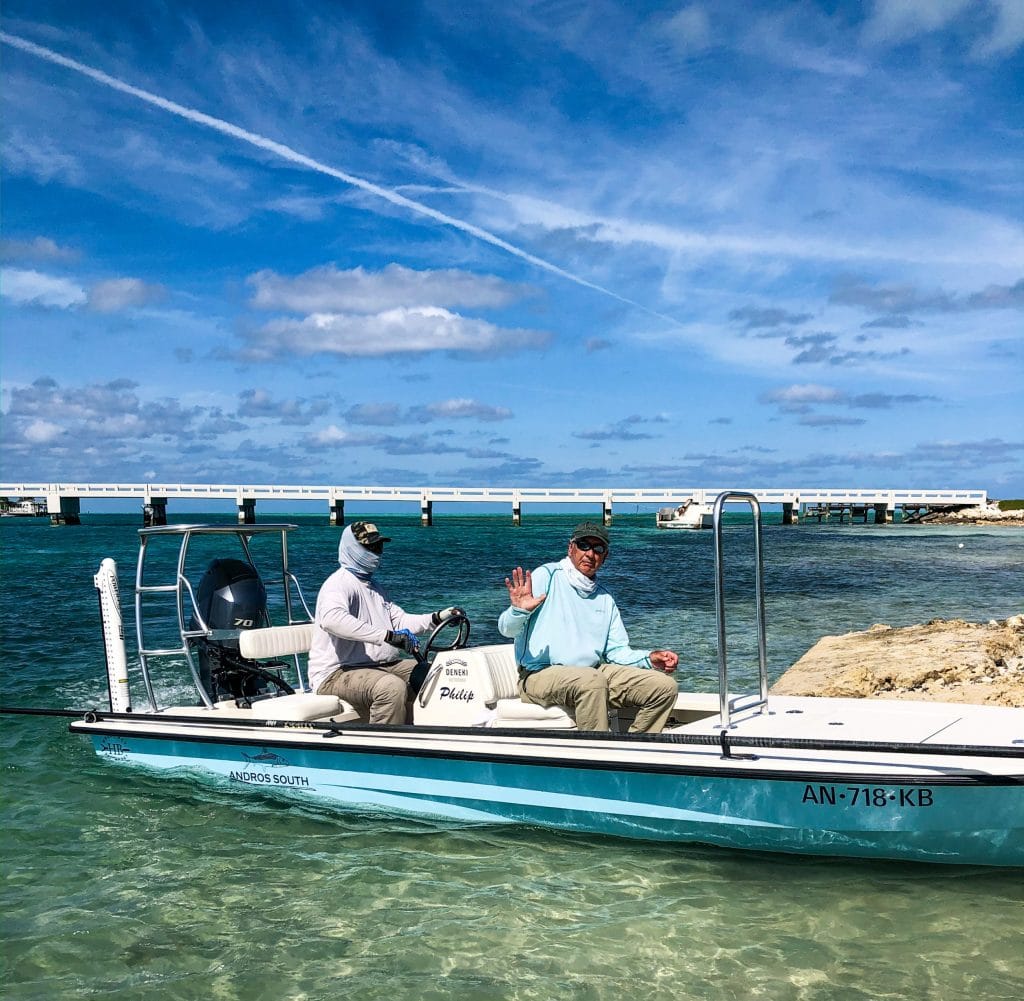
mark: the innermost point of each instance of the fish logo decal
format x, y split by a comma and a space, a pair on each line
265, 757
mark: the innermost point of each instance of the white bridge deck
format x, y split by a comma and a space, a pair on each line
63, 499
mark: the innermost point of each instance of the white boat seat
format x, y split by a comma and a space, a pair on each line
509, 708
479, 686
298, 708
304, 706
275, 641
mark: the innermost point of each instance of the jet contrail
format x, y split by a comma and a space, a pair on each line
293, 156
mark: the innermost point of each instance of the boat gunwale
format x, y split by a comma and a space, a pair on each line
727, 767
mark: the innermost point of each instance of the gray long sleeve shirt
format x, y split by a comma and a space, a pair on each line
352, 618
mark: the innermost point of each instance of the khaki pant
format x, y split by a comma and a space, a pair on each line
379, 694
589, 691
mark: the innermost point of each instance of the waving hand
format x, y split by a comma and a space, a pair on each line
520, 590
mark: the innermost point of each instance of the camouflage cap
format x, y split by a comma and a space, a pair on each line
589, 530
366, 533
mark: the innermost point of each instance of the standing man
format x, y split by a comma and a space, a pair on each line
572, 648
361, 638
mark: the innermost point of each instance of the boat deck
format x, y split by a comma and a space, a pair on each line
797, 717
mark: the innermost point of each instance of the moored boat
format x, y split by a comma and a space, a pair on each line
25, 508
691, 514
859, 778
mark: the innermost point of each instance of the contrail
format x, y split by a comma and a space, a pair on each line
293, 156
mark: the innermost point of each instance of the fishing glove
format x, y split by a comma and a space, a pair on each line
403, 639
446, 613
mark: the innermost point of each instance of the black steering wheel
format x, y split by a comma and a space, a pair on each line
419, 672
461, 637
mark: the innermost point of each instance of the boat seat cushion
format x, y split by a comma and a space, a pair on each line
304, 706
275, 641
516, 713
509, 709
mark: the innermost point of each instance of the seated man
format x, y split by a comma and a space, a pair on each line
360, 636
572, 648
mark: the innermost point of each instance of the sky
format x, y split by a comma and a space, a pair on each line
569, 243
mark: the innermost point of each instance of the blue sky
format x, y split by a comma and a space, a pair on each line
541, 244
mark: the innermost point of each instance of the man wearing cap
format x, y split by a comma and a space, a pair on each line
572, 648
361, 637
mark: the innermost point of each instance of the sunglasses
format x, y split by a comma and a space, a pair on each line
584, 546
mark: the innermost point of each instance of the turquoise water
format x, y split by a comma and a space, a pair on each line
121, 884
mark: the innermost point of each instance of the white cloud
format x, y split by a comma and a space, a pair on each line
689, 29
40, 159
331, 435
40, 248
393, 331
895, 21
463, 408
33, 288
327, 289
40, 432
1007, 33
123, 293
997, 25
802, 394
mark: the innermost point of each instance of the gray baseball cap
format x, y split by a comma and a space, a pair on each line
589, 530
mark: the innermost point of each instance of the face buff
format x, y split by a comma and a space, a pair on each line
583, 584
356, 558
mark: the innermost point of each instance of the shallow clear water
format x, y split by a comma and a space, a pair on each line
121, 884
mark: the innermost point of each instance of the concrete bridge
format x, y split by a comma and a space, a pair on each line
63, 500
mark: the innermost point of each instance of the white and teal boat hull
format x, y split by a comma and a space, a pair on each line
778, 801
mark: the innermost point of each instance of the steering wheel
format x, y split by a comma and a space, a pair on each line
461, 637
419, 674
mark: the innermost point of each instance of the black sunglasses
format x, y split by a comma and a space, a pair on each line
585, 547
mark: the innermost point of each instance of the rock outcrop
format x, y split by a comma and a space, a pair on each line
940, 661
988, 514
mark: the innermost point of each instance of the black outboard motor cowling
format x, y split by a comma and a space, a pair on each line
231, 596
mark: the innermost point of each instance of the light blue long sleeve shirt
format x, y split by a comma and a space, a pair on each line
568, 627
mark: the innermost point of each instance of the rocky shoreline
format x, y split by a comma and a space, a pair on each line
945, 660
989, 514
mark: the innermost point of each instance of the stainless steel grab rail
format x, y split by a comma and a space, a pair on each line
762, 655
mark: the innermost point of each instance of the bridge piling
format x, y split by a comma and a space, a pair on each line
247, 511
63, 510
154, 512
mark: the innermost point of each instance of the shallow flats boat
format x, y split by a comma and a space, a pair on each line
872, 779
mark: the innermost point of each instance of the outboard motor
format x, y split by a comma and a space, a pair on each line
231, 596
